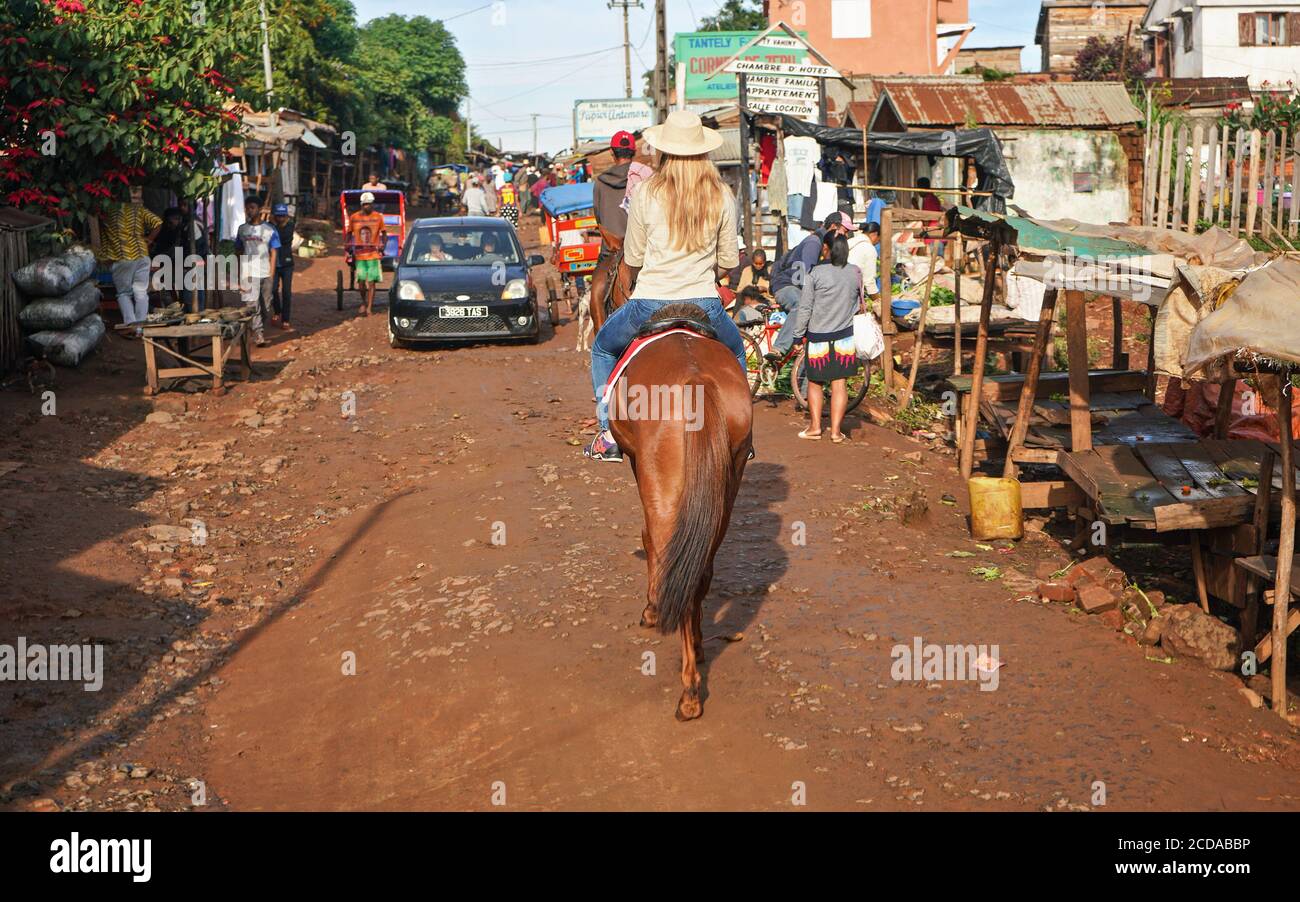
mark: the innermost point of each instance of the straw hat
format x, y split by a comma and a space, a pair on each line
682, 134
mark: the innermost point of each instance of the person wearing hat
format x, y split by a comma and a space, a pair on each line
610, 188
282, 277
681, 230
793, 268
365, 245
476, 198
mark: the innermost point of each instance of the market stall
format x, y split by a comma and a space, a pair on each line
1257, 330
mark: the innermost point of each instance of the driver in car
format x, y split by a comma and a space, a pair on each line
488, 252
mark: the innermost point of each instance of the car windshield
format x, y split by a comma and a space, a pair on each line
462, 246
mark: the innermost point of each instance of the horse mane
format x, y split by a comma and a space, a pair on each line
680, 311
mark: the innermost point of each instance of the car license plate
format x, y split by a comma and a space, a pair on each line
461, 312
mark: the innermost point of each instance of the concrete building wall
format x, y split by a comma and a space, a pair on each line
1215, 47
882, 37
1044, 165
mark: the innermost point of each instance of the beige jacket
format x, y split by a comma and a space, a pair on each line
667, 273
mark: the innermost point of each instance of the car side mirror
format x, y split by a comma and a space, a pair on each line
536, 260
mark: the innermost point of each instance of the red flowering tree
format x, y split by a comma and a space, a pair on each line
96, 95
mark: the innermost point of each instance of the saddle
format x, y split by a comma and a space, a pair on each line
678, 316
655, 327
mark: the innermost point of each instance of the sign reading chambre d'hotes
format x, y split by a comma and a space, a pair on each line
701, 53
598, 120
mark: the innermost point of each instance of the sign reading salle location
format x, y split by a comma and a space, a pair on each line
598, 120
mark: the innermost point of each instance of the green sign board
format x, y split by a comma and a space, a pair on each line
702, 52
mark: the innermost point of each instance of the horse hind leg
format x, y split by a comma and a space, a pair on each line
691, 704
650, 615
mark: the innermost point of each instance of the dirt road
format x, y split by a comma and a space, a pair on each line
432, 603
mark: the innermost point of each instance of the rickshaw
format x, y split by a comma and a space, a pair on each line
392, 205
569, 224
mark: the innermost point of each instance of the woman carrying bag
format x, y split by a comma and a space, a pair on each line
681, 234
832, 295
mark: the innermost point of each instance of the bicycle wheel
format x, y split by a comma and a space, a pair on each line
753, 364
857, 385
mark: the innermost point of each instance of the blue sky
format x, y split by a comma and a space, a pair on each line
579, 53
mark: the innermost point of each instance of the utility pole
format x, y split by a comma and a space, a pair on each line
468, 148
534, 134
275, 192
661, 61
625, 5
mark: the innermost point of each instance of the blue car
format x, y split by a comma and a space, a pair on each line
462, 279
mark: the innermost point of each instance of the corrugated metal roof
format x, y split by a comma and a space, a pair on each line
1066, 104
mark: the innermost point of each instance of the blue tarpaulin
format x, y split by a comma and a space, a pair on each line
563, 199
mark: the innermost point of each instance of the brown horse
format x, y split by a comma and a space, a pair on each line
688, 469
611, 282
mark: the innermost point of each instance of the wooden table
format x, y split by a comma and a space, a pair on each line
221, 337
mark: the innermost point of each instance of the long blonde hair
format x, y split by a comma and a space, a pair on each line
692, 194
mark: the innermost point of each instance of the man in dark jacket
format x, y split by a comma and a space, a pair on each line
611, 186
790, 271
282, 278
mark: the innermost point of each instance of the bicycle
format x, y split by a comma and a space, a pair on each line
764, 374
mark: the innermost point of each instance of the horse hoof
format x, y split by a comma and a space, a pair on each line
650, 617
689, 706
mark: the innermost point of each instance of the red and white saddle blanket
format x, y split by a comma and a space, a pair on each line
636, 347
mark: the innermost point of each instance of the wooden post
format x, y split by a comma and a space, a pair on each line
1180, 163
1029, 390
746, 202
1266, 204
919, 345
1151, 360
1118, 359
1223, 411
1236, 180
887, 326
1211, 173
1076, 337
956, 311
1252, 183
993, 250
1286, 544
1194, 180
1162, 190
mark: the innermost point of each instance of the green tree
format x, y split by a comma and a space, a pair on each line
101, 94
413, 73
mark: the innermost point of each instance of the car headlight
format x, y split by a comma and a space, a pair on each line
410, 291
516, 290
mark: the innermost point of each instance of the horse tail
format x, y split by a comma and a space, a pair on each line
709, 474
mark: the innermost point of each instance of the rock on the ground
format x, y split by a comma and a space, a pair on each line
1191, 633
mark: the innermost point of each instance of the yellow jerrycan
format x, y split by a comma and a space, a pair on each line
995, 509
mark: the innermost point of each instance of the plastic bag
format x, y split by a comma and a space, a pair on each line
70, 347
868, 337
57, 314
55, 276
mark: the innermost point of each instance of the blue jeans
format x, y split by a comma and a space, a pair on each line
788, 300
622, 326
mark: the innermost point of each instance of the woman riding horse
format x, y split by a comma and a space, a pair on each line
681, 231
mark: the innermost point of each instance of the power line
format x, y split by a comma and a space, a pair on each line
466, 12
552, 59
536, 88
